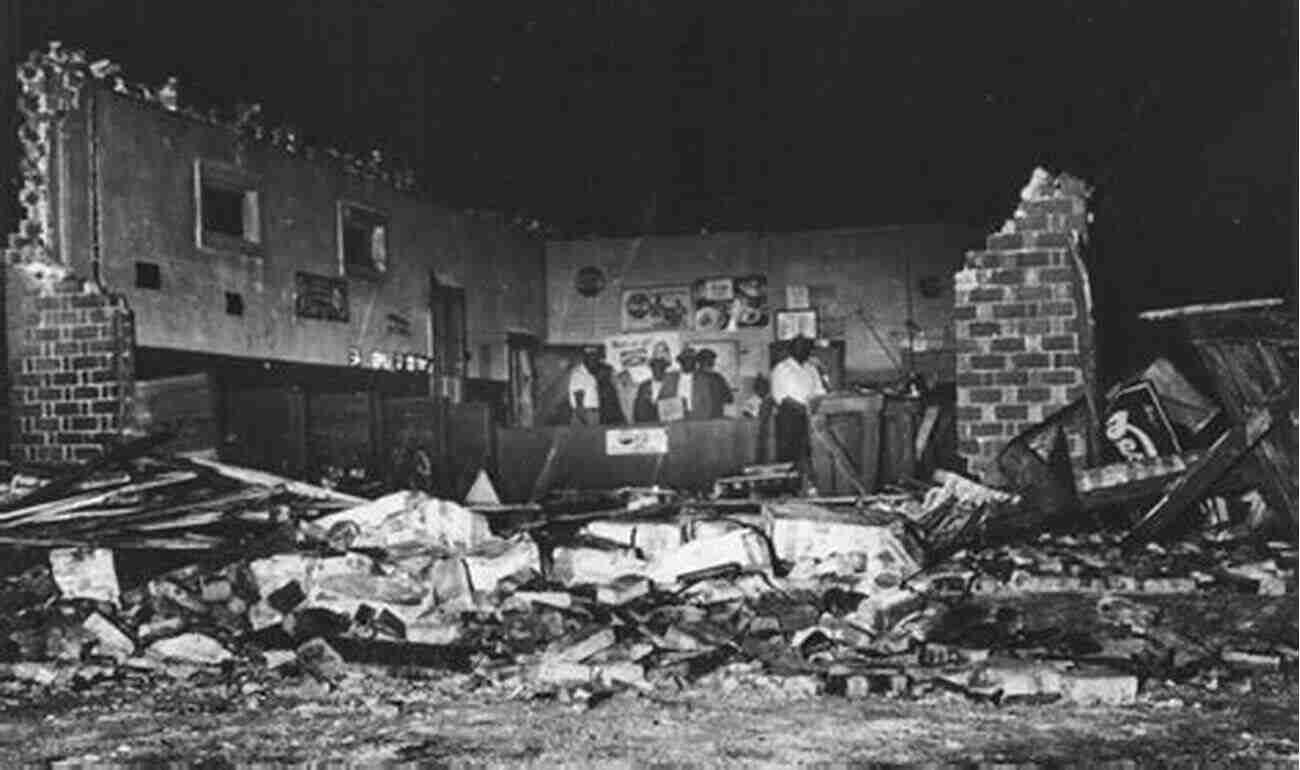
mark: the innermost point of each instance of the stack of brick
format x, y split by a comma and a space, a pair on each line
72, 375
1021, 323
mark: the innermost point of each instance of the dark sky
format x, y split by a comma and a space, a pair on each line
619, 117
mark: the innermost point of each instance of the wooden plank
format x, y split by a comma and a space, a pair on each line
58, 487
1201, 309
928, 422
265, 479
1247, 357
839, 457
1200, 477
699, 452
70, 510
559, 437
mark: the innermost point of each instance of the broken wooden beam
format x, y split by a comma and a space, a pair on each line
1200, 477
265, 479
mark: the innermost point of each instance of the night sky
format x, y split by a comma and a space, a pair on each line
625, 117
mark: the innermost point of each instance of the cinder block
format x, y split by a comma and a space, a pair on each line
1098, 687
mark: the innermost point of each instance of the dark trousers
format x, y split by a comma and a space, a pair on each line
792, 443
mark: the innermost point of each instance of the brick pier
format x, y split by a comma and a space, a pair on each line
1023, 335
73, 372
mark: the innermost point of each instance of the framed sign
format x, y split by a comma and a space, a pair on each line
1136, 426
322, 297
636, 441
729, 304
662, 308
794, 323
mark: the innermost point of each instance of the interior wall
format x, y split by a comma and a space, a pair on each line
864, 284
146, 204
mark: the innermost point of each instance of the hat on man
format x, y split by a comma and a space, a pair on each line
687, 354
706, 354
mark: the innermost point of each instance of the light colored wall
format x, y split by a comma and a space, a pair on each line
858, 280
147, 208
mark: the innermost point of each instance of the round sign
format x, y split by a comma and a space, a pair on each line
589, 281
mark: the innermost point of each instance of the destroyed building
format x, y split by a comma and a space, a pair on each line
288, 304
220, 286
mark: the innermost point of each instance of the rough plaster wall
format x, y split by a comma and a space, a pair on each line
148, 215
850, 274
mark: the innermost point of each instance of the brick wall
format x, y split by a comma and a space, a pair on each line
72, 372
1021, 324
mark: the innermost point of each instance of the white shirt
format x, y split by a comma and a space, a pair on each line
801, 382
684, 381
655, 387
582, 380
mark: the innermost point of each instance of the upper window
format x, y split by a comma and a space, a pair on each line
228, 214
363, 241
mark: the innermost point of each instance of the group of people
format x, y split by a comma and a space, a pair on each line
694, 391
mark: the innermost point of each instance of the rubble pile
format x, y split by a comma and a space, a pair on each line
634, 590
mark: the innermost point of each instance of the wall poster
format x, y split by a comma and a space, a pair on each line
630, 354
651, 308
796, 323
323, 297
730, 304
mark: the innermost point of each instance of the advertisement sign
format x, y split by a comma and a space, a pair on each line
1136, 426
729, 304
653, 308
321, 297
631, 353
636, 441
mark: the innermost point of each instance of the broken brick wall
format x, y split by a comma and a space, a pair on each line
71, 370
1022, 324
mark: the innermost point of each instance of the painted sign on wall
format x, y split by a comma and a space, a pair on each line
322, 297
390, 361
636, 441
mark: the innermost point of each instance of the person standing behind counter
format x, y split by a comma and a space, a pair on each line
796, 387
646, 406
584, 393
716, 386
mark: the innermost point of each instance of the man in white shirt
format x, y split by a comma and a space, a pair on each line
584, 398
797, 386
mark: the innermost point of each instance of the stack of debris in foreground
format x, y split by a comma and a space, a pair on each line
585, 595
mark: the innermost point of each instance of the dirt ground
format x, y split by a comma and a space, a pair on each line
375, 718
419, 717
